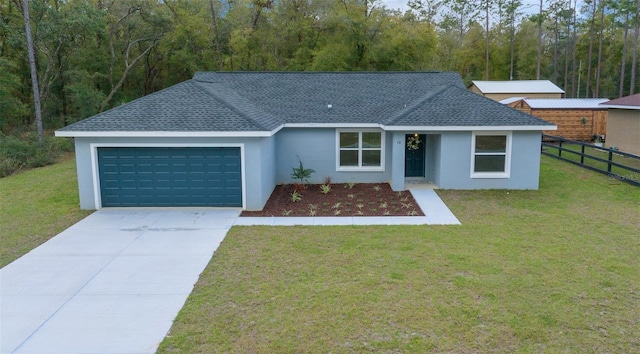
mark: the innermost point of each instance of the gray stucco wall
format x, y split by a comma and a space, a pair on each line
454, 171
259, 182
316, 148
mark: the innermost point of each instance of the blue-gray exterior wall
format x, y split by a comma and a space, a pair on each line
454, 168
316, 148
259, 182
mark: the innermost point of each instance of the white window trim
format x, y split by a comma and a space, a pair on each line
361, 168
507, 154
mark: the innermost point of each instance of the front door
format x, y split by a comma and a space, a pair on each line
414, 155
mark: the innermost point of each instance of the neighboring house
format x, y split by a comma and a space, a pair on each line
500, 90
576, 118
623, 127
227, 139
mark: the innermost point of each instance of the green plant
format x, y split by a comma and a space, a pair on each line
407, 205
287, 212
376, 188
312, 212
350, 185
325, 188
350, 196
337, 212
296, 197
300, 173
583, 121
383, 205
336, 205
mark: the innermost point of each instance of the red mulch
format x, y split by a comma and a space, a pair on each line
362, 199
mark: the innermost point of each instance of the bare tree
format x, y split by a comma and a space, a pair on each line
34, 71
603, 4
635, 51
591, 34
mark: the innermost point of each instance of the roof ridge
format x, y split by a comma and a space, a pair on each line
249, 114
417, 103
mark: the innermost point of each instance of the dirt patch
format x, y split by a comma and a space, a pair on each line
362, 199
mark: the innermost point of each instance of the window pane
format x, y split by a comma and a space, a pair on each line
348, 158
489, 163
371, 140
371, 158
491, 143
349, 140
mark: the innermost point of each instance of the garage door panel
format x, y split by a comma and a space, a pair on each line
170, 176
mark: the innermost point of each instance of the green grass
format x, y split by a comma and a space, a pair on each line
554, 270
626, 161
36, 205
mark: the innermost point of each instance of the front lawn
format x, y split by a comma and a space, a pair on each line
554, 270
36, 205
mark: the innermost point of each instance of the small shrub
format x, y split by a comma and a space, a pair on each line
325, 188
337, 212
25, 151
296, 197
300, 173
327, 180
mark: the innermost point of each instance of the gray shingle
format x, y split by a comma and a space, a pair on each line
263, 101
184, 107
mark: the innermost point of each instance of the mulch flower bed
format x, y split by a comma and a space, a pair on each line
360, 199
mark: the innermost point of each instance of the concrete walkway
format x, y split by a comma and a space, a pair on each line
436, 213
112, 283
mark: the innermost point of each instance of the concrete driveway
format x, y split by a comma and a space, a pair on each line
112, 283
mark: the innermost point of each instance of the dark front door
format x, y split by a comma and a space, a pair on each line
414, 155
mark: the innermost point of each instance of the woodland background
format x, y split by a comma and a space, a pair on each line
92, 55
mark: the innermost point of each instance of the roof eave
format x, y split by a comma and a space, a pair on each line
470, 127
165, 134
619, 106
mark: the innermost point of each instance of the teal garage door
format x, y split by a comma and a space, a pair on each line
185, 176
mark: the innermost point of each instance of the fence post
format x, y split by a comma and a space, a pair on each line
560, 148
582, 156
610, 159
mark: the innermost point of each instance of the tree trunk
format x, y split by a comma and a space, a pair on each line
555, 52
599, 67
623, 63
539, 43
591, 34
574, 42
216, 36
34, 71
486, 52
635, 51
512, 43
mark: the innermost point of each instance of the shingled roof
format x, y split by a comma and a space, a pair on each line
264, 101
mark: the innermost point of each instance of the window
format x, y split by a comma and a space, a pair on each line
491, 155
360, 150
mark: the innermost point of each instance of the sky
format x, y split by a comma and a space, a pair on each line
529, 6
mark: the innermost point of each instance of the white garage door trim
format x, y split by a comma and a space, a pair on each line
95, 170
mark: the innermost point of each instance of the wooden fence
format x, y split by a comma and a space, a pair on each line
616, 164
